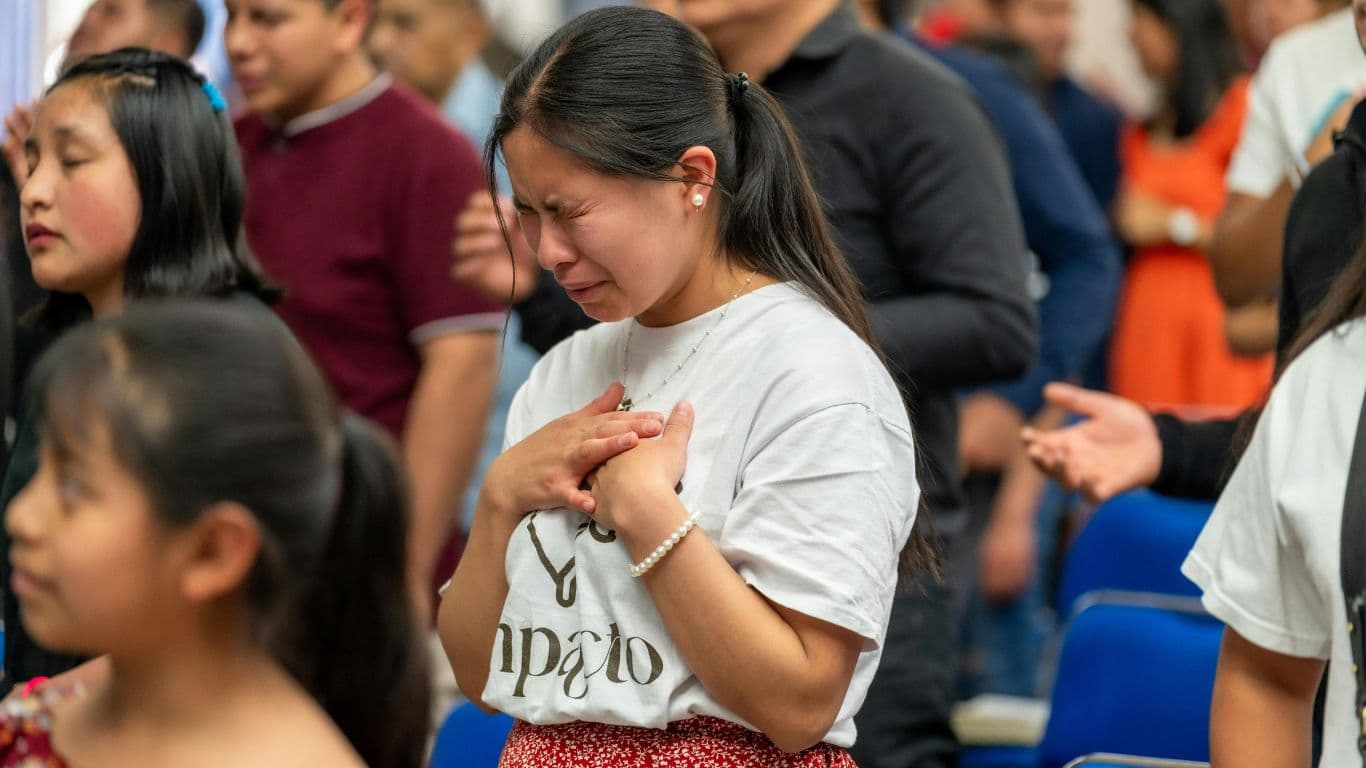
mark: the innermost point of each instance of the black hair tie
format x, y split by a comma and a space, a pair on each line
739, 83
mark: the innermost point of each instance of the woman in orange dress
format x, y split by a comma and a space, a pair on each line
1169, 346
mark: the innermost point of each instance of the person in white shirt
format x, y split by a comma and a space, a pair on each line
1268, 559
718, 595
1303, 91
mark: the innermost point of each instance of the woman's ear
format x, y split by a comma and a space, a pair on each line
221, 549
697, 169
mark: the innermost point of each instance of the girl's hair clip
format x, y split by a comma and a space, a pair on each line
215, 98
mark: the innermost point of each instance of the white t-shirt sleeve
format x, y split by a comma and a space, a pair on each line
1259, 161
821, 515
519, 417
1253, 570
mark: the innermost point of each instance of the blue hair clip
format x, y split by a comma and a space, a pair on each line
215, 98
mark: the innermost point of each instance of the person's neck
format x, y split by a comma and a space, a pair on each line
107, 300
353, 73
186, 681
713, 285
760, 44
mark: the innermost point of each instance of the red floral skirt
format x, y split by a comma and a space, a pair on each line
699, 741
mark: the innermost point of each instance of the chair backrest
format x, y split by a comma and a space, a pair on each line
470, 739
1134, 542
1102, 760
1134, 680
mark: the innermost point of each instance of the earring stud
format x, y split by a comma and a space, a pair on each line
698, 200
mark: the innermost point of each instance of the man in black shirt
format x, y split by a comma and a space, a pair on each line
918, 192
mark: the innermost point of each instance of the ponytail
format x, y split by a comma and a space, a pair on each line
360, 649
774, 219
208, 402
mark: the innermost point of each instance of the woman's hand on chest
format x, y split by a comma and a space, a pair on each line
628, 487
547, 469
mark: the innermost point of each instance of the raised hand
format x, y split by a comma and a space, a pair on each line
18, 125
480, 253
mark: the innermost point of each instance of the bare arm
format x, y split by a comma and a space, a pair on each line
782, 671
1252, 330
467, 619
1246, 250
1263, 706
442, 437
1007, 560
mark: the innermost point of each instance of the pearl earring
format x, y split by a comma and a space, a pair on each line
698, 200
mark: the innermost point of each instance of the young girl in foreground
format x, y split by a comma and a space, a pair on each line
204, 516
716, 596
135, 190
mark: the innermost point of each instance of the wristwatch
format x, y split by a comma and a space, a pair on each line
1183, 227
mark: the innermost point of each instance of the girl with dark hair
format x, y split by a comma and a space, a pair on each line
135, 191
719, 595
145, 132
1169, 345
204, 516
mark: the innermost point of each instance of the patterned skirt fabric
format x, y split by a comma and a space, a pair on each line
700, 741
26, 727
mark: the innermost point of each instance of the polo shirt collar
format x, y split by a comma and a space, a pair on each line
837, 32
337, 110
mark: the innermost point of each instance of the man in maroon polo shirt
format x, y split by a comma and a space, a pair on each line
352, 185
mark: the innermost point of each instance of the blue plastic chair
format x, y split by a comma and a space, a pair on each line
1134, 542
470, 738
1131, 761
1133, 680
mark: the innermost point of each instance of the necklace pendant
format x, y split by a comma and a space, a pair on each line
625, 404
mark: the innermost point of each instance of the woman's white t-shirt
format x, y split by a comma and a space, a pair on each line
1268, 558
801, 464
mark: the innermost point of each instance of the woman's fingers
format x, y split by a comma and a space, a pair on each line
644, 426
590, 453
582, 500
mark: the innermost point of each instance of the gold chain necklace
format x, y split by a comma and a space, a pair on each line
627, 403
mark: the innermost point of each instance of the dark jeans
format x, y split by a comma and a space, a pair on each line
904, 722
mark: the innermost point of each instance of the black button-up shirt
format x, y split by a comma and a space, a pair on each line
918, 191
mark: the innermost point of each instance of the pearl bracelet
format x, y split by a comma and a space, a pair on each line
652, 559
